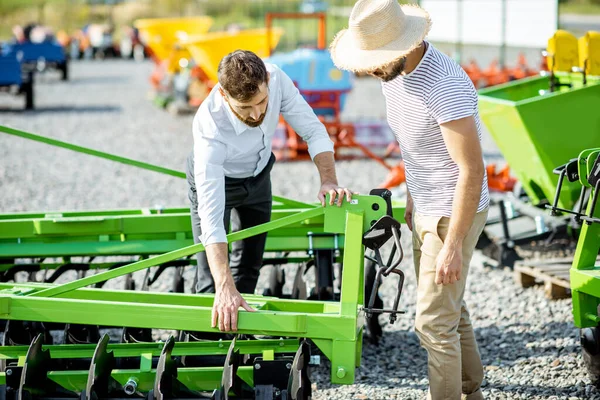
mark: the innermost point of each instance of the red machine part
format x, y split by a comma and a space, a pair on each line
494, 74
343, 137
397, 174
500, 181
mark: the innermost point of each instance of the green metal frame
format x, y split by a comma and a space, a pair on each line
142, 233
585, 271
163, 236
335, 327
132, 232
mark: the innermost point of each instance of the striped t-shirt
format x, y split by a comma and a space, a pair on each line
437, 91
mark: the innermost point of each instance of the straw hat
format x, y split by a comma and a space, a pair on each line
379, 32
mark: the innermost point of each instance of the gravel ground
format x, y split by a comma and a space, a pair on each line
529, 345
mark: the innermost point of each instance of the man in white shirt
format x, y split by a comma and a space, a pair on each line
228, 173
432, 107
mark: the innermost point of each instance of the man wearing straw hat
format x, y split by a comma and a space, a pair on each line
432, 109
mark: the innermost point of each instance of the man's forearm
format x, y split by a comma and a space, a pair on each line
326, 166
464, 205
218, 261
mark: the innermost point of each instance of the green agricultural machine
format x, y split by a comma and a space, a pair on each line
538, 123
535, 122
585, 270
79, 340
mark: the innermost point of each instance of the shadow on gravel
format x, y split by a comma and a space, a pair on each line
65, 109
538, 392
512, 343
532, 353
517, 351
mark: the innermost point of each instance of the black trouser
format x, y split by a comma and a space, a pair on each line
248, 203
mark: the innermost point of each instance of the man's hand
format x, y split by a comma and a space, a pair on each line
449, 264
334, 191
225, 308
326, 166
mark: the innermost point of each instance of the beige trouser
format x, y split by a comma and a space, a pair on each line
442, 321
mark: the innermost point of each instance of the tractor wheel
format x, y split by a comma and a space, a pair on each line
590, 348
64, 69
27, 88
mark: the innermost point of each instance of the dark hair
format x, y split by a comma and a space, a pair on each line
241, 73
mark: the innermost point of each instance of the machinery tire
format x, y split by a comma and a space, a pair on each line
64, 69
27, 88
590, 349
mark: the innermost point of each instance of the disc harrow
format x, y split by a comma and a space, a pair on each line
75, 338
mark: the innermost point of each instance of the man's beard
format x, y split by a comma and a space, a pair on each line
252, 123
396, 71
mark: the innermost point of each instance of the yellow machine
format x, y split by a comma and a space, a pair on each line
562, 54
163, 35
208, 49
589, 53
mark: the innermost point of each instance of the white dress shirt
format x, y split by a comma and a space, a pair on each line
225, 146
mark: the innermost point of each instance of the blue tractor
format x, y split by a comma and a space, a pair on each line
41, 56
14, 79
324, 86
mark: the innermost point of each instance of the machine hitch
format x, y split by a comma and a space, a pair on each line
380, 232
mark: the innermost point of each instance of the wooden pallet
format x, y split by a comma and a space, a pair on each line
553, 273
